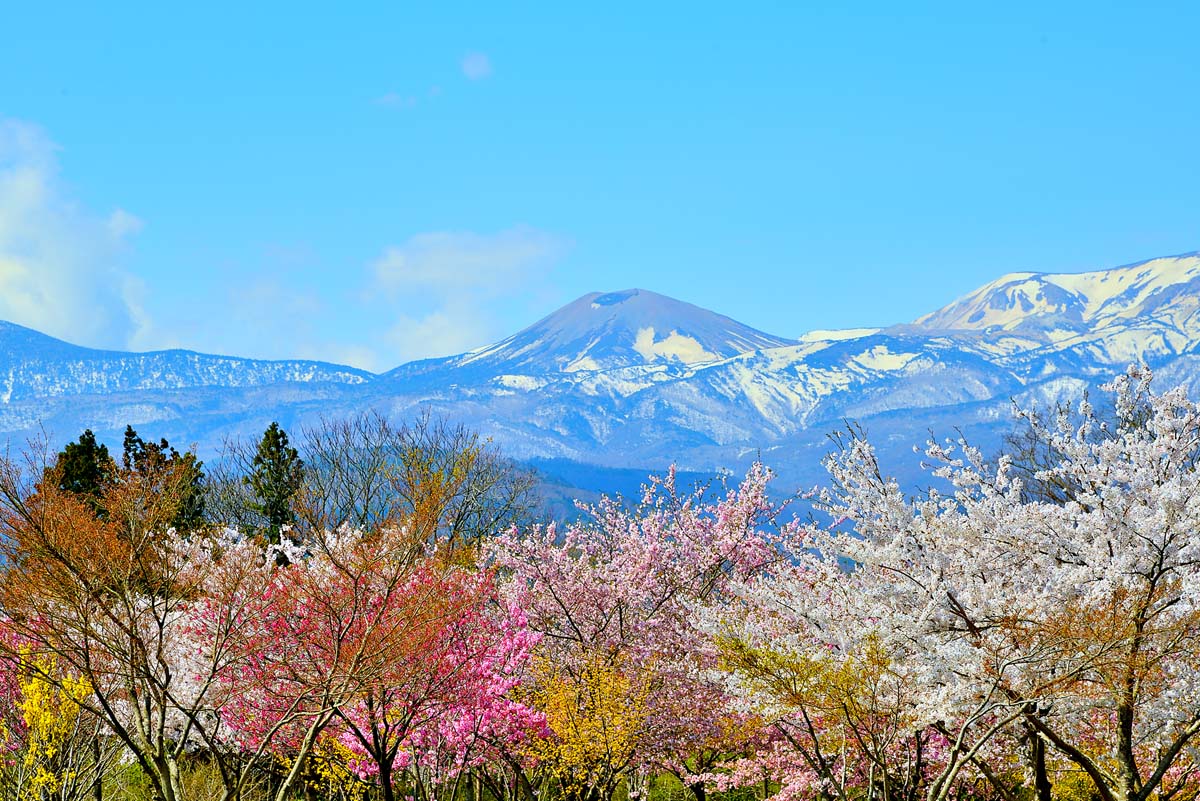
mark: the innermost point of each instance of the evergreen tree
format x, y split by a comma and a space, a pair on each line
84, 467
275, 480
158, 458
139, 456
191, 508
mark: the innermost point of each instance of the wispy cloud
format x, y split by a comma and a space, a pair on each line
59, 262
122, 224
456, 327
457, 261
270, 304
476, 66
396, 100
447, 281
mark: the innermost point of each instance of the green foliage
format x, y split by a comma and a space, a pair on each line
149, 459
84, 467
275, 479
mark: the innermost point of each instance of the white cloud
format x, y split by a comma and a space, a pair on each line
444, 284
58, 262
454, 328
451, 261
396, 100
476, 66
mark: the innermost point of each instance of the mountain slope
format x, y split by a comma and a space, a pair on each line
1150, 309
33, 365
637, 379
606, 331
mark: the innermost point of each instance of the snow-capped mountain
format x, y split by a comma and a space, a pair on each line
600, 332
33, 365
634, 378
1148, 310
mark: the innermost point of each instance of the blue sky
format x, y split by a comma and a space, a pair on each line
402, 180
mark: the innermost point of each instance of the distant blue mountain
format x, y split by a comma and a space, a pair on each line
634, 379
34, 365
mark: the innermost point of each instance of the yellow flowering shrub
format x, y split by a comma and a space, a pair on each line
327, 771
50, 711
596, 717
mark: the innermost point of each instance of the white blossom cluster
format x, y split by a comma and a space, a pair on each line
998, 612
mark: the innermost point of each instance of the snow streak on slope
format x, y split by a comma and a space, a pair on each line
639, 379
1146, 310
633, 327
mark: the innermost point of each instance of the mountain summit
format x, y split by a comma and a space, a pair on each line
630, 328
636, 379
1043, 300
1150, 309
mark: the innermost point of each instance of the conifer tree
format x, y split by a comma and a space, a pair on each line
154, 458
84, 467
275, 480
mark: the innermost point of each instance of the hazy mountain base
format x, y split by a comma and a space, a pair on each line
207, 417
635, 381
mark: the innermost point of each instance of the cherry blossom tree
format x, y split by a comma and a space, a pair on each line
102, 594
435, 693
294, 641
999, 615
615, 599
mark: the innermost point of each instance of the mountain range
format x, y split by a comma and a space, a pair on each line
635, 379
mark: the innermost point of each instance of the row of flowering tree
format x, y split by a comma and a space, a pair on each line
981, 640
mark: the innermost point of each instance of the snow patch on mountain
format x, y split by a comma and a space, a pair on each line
837, 335
880, 358
638, 379
674, 346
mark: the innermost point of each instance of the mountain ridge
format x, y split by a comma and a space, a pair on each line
37, 365
1136, 275
1148, 308
633, 378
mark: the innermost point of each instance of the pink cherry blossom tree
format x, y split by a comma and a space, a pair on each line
437, 693
622, 589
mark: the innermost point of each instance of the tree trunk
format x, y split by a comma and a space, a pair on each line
176, 780
1127, 776
164, 776
1041, 777
98, 782
385, 781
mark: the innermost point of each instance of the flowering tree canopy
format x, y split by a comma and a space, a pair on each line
982, 614
978, 640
